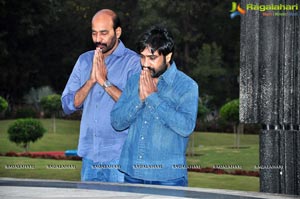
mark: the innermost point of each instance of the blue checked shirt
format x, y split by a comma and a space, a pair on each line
98, 141
159, 127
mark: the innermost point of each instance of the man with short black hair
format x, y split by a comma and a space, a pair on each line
159, 106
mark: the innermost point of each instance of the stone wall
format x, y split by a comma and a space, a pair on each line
270, 92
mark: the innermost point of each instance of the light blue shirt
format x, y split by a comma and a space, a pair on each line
159, 127
98, 141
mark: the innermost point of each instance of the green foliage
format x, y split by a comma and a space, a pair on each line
202, 111
209, 72
209, 61
65, 138
26, 112
210, 149
51, 103
35, 95
3, 104
22, 42
230, 111
35, 33
24, 131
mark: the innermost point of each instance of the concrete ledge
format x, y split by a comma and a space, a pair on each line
12, 188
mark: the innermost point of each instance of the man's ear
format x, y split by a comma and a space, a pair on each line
118, 32
168, 57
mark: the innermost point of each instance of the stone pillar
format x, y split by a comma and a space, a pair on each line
270, 92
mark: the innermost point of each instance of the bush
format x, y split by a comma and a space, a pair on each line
24, 131
216, 125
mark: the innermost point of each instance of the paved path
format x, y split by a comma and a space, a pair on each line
12, 188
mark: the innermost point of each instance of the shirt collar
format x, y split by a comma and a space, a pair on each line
120, 50
170, 74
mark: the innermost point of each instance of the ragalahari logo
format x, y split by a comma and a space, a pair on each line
236, 10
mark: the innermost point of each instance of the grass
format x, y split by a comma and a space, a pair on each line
210, 149
66, 137
44, 169
215, 181
215, 149
40, 168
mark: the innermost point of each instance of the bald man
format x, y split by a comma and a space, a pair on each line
95, 84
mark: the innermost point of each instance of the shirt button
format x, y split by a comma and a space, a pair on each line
142, 137
140, 157
145, 122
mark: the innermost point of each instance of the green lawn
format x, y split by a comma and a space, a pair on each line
210, 149
66, 137
215, 181
40, 168
70, 170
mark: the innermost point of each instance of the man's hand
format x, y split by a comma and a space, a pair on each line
93, 78
147, 84
99, 70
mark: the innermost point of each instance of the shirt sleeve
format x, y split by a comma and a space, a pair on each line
72, 86
179, 117
128, 107
135, 66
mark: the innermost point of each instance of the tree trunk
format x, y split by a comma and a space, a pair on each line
26, 147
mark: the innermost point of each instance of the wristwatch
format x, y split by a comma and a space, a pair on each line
107, 84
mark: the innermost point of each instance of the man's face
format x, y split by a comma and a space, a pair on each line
154, 62
103, 34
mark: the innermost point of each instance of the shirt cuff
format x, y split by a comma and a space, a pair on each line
68, 103
137, 104
153, 100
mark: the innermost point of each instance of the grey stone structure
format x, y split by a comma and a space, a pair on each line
270, 92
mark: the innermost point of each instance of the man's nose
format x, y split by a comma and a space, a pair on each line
99, 38
145, 62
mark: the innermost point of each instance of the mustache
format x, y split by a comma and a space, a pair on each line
100, 44
149, 68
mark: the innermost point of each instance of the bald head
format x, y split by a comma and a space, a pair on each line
108, 14
106, 30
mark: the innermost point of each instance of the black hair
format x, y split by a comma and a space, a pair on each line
159, 39
116, 22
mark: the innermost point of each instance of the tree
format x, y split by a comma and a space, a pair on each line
202, 111
210, 73
24, 131
35, 95
40, 41
3, 104
21, 41
230, 113
52, 104
206, 42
